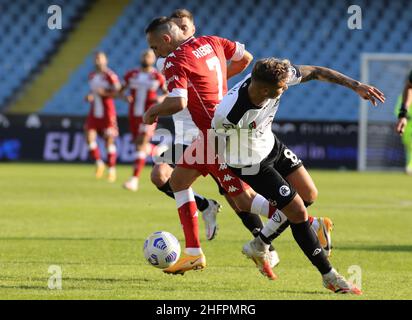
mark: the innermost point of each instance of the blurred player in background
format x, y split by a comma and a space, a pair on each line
404, 126
143, 83
102, 120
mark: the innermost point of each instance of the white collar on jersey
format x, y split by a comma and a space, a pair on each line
186, 41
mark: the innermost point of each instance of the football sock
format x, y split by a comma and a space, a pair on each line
250, 221
201, 202
188, 215
261, 206
167, 190
139, 162
309, 243
94, 151
274, 227
111, 155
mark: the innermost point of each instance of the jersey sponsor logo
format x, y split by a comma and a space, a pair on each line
284, 191
232, 189
228, 177
203, 51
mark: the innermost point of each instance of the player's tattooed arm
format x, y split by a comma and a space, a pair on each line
367, 92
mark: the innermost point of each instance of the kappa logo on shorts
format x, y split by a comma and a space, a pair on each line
284, 191
228, 177
233, 189
222, 167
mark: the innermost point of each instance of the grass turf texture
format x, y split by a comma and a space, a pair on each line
60, 215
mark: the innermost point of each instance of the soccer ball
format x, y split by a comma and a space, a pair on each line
161, 249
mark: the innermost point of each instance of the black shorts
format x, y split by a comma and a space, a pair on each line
174, 153
268, 178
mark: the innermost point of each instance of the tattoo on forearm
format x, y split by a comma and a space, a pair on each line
325, 74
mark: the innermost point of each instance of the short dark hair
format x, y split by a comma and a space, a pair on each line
271, 70
182, 13
158, 23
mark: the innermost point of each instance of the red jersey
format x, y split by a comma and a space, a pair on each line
102, 107
196, 70
143, 87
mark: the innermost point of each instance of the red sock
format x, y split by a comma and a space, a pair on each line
111, 156
139, 163
188, 217
272, 210
310, 218
95, 154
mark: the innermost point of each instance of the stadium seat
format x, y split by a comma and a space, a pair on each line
305, 32
26, 42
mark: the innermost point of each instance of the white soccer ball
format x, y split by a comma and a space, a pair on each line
161, 249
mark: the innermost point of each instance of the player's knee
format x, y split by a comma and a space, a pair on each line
158, 176
296, 210
311, 196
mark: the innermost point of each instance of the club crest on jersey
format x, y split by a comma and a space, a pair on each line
252, 125
168, 65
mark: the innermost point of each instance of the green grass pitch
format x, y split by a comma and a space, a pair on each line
60, 215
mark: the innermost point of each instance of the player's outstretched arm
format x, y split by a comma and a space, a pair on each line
236, 67
169, 106
367, 92
403, 112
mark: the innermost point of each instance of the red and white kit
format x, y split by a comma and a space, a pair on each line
102, 115
196, 70
143, 87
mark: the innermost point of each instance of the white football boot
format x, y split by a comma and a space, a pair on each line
209, 217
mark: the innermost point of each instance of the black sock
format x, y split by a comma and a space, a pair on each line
278, 232
201, 202
167, 190
307, 204
309, 243
253, 223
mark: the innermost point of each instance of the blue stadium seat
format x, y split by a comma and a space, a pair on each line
26, 41
306, 32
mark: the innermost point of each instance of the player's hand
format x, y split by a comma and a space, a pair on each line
370, 93
401, 125
89, 98
149, 117
129, 99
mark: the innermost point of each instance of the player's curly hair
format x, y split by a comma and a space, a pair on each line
271, 70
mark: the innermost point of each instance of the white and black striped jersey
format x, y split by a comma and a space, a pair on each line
247, 128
